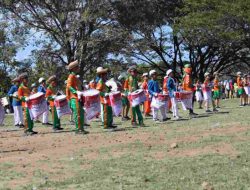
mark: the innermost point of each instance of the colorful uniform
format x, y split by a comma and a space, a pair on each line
207, 91
50, 93
240, 86
198, 92
216, 89
107, 113
171, 85
75, 103
188, 86
24, 92
147, 103
132, 85
165, 91
153, 89
16, 104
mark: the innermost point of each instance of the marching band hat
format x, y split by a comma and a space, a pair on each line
169, 71
17, 79
145, 75
239, 73
41, 80
206, 74
101, 70
152, 72
23, 75
72, 65
52, 78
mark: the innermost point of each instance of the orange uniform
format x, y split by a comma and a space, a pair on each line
239, 82
216, 85
23, 92
49, 93
187, 83
72, 86
147, 103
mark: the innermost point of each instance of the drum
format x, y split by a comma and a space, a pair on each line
116, 102
92, 103
163, 97
5, 101
37, 104
62, 106
186, 99
247, 90
137, 97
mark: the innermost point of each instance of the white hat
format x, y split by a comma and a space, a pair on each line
41, 80
84, 81
145, 74
78, 76
152, 72
206, 74
120, 77
169, 71
101, 70
239, 73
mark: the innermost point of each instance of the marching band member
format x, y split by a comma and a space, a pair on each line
216, 90
207, 93
245, 84
18, 115
165, 91
125, 101
240, 88
23, 95
188, 84
107, 113
198, 93
147, 103
172, 88
131, 86
50, 95
154, 90
74, 95
33, 88
42, 88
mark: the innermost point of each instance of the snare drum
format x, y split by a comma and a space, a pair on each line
60, 101
116, 102
137, 97
163, 97
36, 99
90, 96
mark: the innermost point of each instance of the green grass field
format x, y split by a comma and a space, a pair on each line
213, 148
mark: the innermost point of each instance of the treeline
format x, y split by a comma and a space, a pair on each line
211, 35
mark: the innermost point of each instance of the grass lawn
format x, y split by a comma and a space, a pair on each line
213, 148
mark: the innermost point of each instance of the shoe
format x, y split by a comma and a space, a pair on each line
28, 132
17, 125
134, 124
82, 131
176, 118
124, 119
86, 124
47, 124
208, 111
165, 119
218, 107
58, 129
142, 125
241, 105
113, 126
21, 125
215, 110
128, 118
193, 114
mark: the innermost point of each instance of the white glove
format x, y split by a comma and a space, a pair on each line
106, 94
155, 94
164, 92
79, 93
27, 99
53, 97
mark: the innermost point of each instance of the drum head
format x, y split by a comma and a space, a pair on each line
91, 92
61, 97
36, 95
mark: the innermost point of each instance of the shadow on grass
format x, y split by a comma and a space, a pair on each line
11, 151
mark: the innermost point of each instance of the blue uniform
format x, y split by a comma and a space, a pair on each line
171, 87
15, 101
153, 87
41, 89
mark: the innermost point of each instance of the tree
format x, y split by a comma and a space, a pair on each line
82, 30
